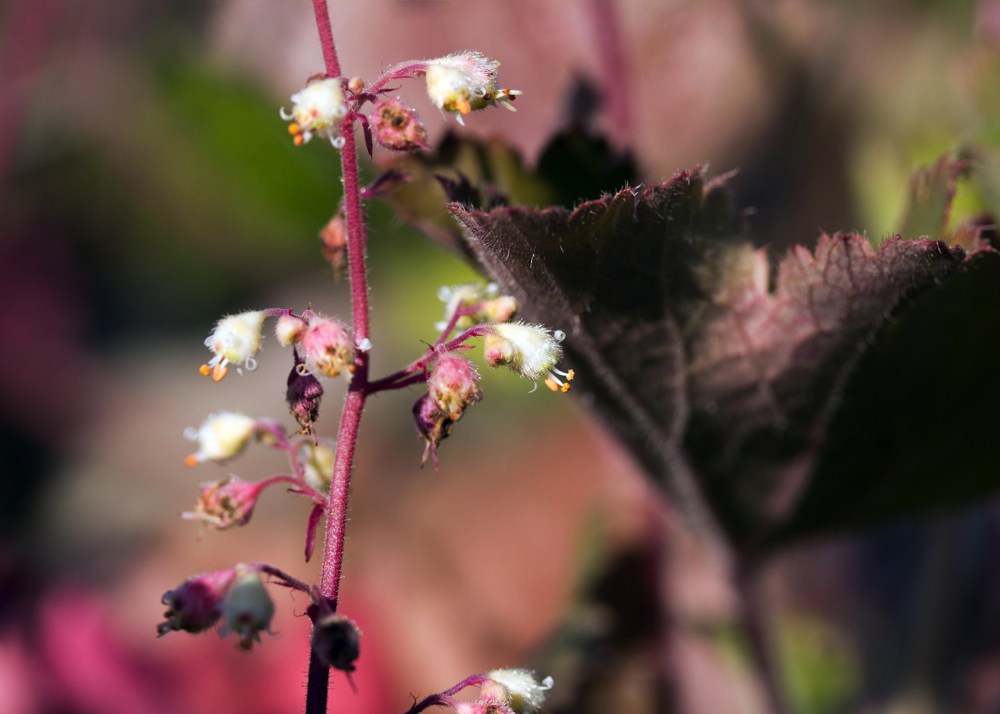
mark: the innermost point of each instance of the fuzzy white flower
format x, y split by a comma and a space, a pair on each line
465, 82
317, 109
221, 436
524, 694
530, 350
235, 340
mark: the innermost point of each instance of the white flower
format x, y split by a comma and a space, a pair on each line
530, 350
317, 109
464, 82
524, 693
235, 340
221, 436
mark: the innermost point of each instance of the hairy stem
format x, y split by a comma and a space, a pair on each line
326, 38
354, 404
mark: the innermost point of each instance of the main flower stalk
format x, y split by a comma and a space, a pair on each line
354, 404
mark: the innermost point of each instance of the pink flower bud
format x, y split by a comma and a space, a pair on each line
333, 243
247, 608
226, 503
453, 385
336, 641
397, 126
326, 347
195, 605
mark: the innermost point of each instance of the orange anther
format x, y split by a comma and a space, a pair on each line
191, 460
462, 104
552, 384
205, 370
218, 372
294, 129
298, 140
565, 387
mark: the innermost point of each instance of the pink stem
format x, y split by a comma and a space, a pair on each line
326, 38
336, 510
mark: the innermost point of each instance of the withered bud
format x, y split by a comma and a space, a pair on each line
336, 641
304, 394
397, 126
432, 426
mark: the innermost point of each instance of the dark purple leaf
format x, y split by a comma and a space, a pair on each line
720, 375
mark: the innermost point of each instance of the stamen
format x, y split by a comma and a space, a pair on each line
294, 129
191, 460
462, 104
219, 371
205, 370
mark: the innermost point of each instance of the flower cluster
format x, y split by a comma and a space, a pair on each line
235, 596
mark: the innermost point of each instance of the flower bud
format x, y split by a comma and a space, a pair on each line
326, 347
453, 385
333, 243
303, 394
499, 309
317, 110
235, 340
247, 608
529, 350
464, 82
397, 126
317, 465
515, 688
221, 436
195, 605
288, 329
225, 503
336, 641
